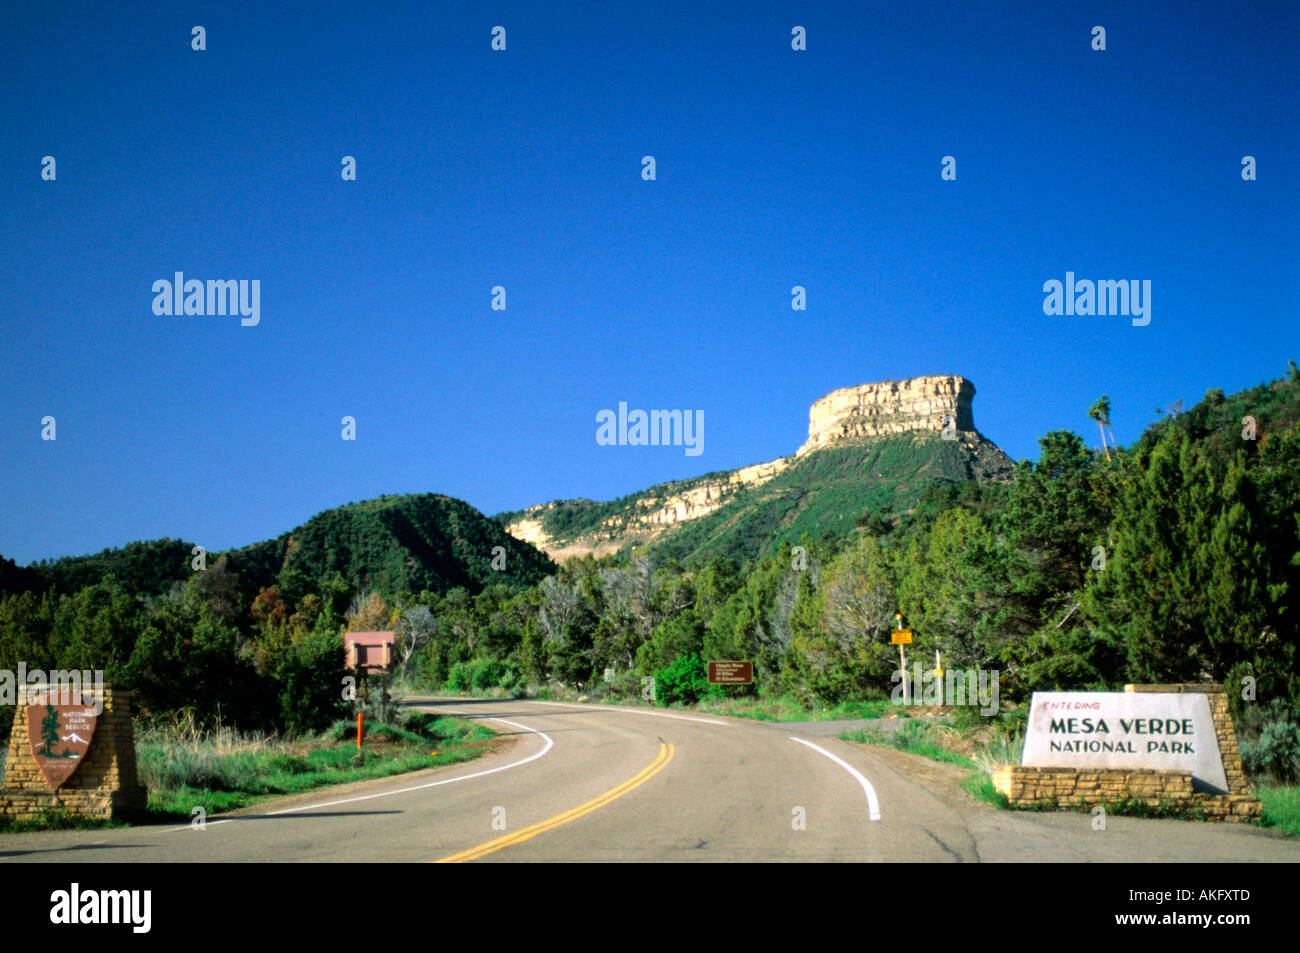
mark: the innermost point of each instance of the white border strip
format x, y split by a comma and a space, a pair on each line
873, 805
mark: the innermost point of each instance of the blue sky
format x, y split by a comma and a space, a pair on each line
522, 169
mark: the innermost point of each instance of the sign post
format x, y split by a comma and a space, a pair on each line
731, 673
900, 637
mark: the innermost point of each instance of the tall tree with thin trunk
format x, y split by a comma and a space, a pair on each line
1100, 412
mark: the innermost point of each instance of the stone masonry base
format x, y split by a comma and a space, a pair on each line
1087, 787
104, 785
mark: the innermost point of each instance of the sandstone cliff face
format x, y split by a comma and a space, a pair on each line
889, 407
919, 404
704, 499
529, 530
654, 514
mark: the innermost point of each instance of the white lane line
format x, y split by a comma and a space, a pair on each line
633, 711
873, 805
417, 787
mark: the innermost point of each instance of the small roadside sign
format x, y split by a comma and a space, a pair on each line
731, 673
901, 636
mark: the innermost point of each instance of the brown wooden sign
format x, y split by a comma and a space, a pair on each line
731, 673
59, 735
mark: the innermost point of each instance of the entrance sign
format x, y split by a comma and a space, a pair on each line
71, 751
1162, 731
59, 735
731, 673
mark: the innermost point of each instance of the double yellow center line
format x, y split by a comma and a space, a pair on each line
541, 827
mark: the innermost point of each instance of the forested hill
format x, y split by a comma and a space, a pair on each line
396, 544
147, 567
392, 544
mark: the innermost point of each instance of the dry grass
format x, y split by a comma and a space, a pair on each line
181, 730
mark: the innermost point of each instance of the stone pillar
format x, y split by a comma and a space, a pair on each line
1223, 729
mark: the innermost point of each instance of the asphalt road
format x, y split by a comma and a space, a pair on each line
595, 783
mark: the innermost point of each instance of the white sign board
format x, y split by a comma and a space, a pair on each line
1167, 731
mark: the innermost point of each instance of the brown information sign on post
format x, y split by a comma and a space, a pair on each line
731, 673
901, 636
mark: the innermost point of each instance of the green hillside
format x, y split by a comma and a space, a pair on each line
397, 544
827, 491
391, 544
254, 639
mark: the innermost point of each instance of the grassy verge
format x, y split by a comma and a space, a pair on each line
442, 691
980, 786
221, 771
914, 737
1281, 804
224, 771
788, 708
938, 743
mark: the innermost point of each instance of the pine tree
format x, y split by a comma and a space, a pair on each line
49, 730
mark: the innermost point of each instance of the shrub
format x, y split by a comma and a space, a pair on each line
419, 722
912, 733
481, 675
967, 718
460, 677
1275, 751
1002, 748
309, 677
686, 681
487, 674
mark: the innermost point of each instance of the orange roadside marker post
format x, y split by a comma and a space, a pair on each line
361, 718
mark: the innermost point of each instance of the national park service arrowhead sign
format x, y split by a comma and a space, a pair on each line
59, 735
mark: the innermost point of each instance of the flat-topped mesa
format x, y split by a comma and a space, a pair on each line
889, 407
919, 405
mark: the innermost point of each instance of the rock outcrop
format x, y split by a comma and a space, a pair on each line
890, 407
704, 498
661, 509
